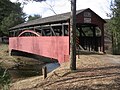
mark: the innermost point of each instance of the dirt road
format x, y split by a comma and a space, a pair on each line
115, 59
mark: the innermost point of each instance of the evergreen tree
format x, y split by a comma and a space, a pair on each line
11, 14
115, 26
33, 17
10, 21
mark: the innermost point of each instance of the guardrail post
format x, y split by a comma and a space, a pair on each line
44, 71
9, 52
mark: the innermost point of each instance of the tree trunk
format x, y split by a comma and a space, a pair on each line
73, 36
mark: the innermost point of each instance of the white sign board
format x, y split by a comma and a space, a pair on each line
87, 20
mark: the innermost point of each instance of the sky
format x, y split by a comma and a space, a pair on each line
101, 7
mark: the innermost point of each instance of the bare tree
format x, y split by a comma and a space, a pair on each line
73, 36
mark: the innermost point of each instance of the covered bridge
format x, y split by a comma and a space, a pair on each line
49, 36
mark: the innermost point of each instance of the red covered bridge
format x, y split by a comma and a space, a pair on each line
49, 36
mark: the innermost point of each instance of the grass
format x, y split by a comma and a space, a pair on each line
19, 67
6, 60
10, 61
3, 50
4, 75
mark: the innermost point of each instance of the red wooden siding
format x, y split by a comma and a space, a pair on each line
52, 47
94, 19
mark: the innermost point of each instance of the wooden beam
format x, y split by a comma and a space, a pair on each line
52, 31
42, 32
63, 32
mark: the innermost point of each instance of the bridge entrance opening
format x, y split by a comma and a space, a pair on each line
89, 37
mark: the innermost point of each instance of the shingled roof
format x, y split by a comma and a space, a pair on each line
47, 20
50, 19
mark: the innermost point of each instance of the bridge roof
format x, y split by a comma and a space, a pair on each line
49, 20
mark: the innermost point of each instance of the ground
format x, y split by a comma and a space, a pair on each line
94, 72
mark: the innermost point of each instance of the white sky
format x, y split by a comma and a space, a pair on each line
101, 7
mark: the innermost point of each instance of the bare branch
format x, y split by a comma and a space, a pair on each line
51, 8
39, 0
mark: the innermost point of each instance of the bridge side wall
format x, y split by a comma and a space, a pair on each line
52, 47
